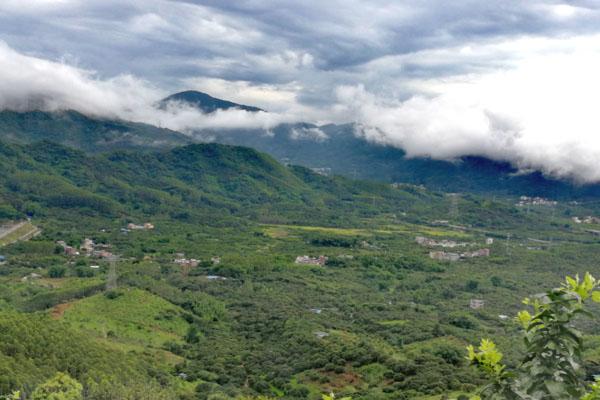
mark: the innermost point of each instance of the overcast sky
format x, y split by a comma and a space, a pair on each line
512, 80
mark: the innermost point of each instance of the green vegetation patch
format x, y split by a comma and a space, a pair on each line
128, 315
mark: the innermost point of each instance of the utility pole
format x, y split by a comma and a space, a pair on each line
111, 277
453, 205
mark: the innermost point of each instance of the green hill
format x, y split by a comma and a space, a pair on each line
91, 134
186, 183
337, 149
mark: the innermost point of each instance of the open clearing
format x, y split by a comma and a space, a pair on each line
19, 231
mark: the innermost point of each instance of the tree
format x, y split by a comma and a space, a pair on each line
551, 367
56, 271
60, 387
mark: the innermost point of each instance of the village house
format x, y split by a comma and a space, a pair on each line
586, 220
440, 222
215, 278
443, 256
135, 227
216, 260
322, 171
446, 256
68, 250
187, 262
423, 241
321, 260
87, 246
535, 201
489, 241
476, 253
476, 304
102, 254
71, 251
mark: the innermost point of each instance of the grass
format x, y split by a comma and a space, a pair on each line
25, 229
135, 317
393, 322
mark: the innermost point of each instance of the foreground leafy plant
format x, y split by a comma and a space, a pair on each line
551, 367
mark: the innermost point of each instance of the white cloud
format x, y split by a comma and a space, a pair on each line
277, 98
541, 113
315, 134
28, 83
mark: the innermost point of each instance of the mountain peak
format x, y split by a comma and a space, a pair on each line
205, 102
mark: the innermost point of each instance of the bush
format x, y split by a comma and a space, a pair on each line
56, 271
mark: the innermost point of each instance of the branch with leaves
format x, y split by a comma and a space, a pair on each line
551, 367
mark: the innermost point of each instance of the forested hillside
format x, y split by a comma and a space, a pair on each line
330, 149
88, 133
211, 302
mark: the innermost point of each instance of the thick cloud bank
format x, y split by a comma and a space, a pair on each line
542, 113
537, 110
30, 83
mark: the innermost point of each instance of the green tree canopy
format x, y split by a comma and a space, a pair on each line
59, 387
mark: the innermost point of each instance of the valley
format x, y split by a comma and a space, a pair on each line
379, 318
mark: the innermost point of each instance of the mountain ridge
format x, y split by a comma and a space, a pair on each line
334, 149
205, 102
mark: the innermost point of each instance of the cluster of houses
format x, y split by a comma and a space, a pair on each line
451, 256
180, 259
321, 260
586, 220
448, 256
87, 248
535, 201
423, 241
188, 263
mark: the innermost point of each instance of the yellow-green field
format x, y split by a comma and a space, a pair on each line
135, 317
23, 232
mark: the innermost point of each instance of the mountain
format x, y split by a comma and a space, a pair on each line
330, 149
336, 149
204, 102
91, 134
199, 182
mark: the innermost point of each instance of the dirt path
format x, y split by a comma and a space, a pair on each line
7, 230
21, 231
59, 310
